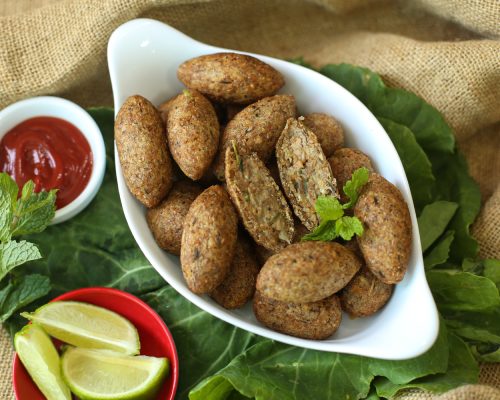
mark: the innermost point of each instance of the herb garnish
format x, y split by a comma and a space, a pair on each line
333, 222
30, 213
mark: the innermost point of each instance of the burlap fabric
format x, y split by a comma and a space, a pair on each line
447, 51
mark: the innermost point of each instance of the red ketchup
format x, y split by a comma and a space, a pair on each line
50, 151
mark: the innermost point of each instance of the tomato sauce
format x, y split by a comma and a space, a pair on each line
50, 151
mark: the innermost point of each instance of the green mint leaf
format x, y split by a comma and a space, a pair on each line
324, 232
14, 253
8, 196
33, 211
352, 187
328, 208
346, 227
21, 292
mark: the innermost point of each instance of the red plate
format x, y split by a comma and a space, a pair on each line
155, 337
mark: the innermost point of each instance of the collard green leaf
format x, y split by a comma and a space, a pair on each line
456, 185
433, 221
397, 105
21, 292
13, 254
462, 291
489, 354
489, 268
417, 166
492, 271
205, 344
475, 326
439, 253
301, 61
274, 371
462, 369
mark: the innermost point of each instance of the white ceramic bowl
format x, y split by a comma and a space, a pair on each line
49, 106
143, 57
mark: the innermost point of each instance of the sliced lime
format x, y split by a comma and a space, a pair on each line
86, 325
106, 375
40, 357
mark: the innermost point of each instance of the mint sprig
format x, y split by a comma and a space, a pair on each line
352, 187
333, 222
30, 213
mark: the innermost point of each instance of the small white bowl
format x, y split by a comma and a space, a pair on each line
48, 106
143, 56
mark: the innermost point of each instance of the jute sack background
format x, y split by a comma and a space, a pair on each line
447, 51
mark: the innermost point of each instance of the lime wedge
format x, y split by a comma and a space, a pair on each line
86, 325
102, 374
40, 357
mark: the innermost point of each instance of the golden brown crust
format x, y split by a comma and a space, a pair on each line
193, 133
143, 152
208, 240
328, 131
260, 203
365, 294
263, 254
239, 285
307, 271
166, 219
344, 162
304, 171
164, 108
256, 129
230, 77
387, 239
315, 320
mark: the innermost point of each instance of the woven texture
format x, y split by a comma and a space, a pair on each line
447, 51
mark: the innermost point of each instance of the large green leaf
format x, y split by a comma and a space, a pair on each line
275, 371
417, 166
433, 220
439, 253
396, 105
462, 369
462, 291
456, 185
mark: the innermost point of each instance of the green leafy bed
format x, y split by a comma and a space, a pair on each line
219, 361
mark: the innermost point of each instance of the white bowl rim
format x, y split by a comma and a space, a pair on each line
52, 106
148, 28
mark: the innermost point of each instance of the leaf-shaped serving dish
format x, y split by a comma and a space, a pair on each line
143, 57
